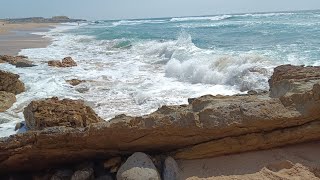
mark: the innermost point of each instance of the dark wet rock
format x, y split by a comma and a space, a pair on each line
252, 92
18, 126
18, 61
62, 174
113, 164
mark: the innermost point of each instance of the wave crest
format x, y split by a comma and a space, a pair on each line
211, 18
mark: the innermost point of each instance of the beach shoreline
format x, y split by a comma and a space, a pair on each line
17, 36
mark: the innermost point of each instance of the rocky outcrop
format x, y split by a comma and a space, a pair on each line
208, 126
75, 82
10, 82
6, 100
66, 62
138, 166
53, 112
18, 61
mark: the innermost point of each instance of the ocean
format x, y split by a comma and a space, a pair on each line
135, 66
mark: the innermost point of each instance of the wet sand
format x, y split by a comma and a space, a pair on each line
14, 37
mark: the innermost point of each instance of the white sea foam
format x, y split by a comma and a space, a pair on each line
265, 14
130, 81
201, 18
137, 22
136, 77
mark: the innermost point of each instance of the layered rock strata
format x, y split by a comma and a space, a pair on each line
208, 126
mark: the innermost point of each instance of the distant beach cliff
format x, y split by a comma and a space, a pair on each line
54, 19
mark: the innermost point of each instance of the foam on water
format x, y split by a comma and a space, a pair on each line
135, 66
119, 80
211, 18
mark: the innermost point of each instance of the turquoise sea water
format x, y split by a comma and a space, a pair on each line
282, 34
263, 40
136, 66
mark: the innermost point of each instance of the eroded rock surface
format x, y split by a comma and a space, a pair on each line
10, 82
54, 112
18, 61
6, 100
208, 126
66, 62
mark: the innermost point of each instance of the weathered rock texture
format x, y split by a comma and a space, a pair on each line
6, 100
66, 62
18, 61
53, 112
209, 126
10, 82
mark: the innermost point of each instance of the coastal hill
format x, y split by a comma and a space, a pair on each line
54, 19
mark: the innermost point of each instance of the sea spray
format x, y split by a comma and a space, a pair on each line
135, 66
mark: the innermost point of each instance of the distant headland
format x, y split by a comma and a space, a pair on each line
54, 19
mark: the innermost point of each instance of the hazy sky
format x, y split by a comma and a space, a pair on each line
120, 9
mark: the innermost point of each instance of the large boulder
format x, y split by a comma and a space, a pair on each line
138, 166
54, 112
6, 100
66, 62
10, 82
208, 126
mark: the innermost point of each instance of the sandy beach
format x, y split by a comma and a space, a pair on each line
14, 37
288, 162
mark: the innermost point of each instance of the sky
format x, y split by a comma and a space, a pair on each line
131, 9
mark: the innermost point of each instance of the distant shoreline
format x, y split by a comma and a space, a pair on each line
17, 36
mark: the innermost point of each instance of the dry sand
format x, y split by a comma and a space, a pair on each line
14, 37
293, 162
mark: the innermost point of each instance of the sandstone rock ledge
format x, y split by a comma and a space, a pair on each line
208, 126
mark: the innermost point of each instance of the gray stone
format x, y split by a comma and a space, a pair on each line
138, 167
83, 174
24, 63
171, 169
